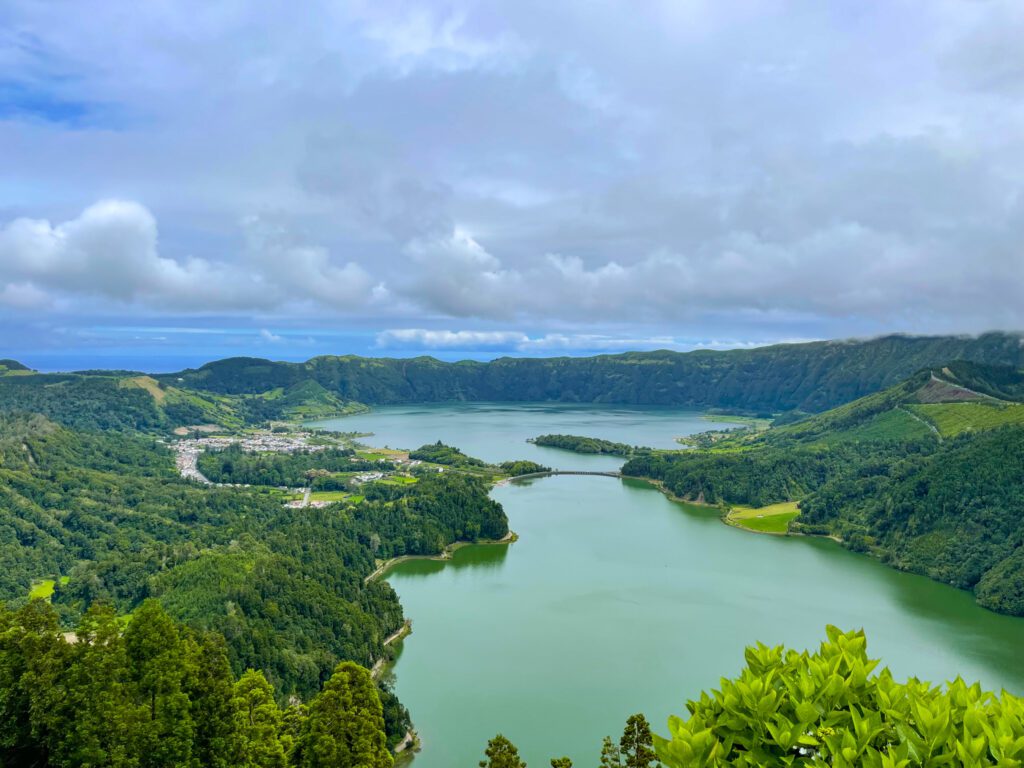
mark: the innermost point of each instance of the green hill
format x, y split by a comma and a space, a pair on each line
13, 368
927, 475
810, 377
98, 401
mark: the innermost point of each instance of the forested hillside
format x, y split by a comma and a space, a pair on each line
151, 693
808, 377
109, 400
105, 517
886, 475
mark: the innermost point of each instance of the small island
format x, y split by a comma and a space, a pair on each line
580, 444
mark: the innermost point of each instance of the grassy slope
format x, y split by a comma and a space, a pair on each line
774, 518
952, 419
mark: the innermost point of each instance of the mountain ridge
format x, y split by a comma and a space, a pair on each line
811, 376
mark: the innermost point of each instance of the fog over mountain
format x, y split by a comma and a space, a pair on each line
184, 181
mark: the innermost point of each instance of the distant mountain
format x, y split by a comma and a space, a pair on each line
810, 377
13, 366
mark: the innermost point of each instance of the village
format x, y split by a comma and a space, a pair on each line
187, 453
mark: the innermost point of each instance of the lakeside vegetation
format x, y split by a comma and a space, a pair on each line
102, 518
832, 707
95, 523
580, 444
881, 475
775, 518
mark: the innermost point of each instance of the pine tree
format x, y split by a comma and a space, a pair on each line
293, 720
210, 686
561, 762
158, 665
106, 724
610, 755
28, 640
345, 725
501, 753
637, 744
258, 723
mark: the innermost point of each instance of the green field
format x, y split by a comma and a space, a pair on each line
771, 519
398, 480
953, 418
328, 496
895, 424
43, 589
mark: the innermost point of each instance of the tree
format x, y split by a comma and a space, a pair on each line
106, 724
157, 667
501, 753
561, 762
345, 725
611, 757
637, 744
210, 687
28, 639
258, 723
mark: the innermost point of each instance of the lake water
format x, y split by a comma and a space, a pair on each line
616, 600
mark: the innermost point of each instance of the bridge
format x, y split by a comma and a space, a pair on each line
552, 472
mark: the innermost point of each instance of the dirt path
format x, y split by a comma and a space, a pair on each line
394, 637
924, 421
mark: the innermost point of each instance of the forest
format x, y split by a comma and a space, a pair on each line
233, 465
151, 693
107, 520
877, 477
809, 377
579, 444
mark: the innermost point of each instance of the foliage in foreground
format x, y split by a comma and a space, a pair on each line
158, 695
634, 750
827, 709
790, 709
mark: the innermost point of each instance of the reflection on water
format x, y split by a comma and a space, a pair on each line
616, 600
473, 557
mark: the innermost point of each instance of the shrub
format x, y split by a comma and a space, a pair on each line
800, 709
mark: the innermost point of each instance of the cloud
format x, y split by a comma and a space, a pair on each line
111, 252
520, 342
421, 338
272, 338
754, 175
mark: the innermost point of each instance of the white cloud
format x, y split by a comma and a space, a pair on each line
24, 296
111, 252
272, 338
421, 338
516, 164
518, 341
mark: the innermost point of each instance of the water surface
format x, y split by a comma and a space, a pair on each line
617, 600
498, 432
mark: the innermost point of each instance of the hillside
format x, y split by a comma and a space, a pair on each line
106, 517
927, 475
99, 400
810, 377
13, 367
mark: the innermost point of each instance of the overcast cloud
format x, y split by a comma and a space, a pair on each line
480, 178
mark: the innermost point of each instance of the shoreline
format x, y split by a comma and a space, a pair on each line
399, 634
446, 554
724, 517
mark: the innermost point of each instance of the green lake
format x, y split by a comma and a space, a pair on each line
616, 600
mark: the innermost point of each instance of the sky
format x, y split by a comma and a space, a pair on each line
183, 181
